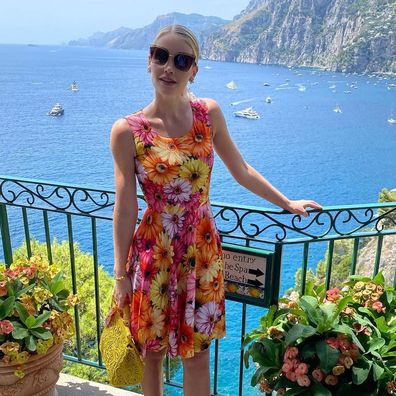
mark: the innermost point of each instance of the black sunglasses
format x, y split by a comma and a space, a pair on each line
181, 61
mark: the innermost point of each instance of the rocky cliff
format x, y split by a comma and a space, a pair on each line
141, 38
340, 35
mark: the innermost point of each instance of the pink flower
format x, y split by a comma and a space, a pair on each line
6, 327
333, 342
200, 112
287, 366
156, 197
207, 316
333, 295
318, 374
172, 220
189, 313
178, 190
140, 172
3, 289
291, 375
189, 229
141, 128
377, 306
291, 353
172, 351
302, 369
303, 380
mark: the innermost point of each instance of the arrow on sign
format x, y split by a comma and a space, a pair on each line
256, 272
255, 282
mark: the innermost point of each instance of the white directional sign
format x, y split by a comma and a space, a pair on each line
247, 273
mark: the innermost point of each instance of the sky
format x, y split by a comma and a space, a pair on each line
56, 22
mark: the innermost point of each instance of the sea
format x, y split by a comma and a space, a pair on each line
300, 144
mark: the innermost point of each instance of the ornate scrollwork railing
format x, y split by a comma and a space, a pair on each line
233, 221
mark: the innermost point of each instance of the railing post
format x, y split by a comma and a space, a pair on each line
276, 272
5, 235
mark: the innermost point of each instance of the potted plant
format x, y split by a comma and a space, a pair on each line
323, 343
34, 323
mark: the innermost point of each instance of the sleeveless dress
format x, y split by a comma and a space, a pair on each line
175, 260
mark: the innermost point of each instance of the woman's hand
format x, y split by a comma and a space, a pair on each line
122, 291
299, 207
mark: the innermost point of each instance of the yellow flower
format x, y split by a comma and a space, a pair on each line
20, 358
197, 172
163, 251
72, 300
159, 290
190, 258
19, 373
358, 286
201, 341
41, 295
254, 292
170, 151
231, 287
44, 345
10, 348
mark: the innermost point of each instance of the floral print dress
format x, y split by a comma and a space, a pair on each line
175, 260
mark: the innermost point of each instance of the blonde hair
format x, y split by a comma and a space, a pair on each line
186, 34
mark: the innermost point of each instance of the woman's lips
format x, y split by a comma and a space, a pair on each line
168, 81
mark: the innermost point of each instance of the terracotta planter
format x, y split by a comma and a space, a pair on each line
41, 375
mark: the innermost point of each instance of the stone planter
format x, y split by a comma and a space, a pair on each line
41, 375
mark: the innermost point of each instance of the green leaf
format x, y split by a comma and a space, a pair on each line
308, 350
381, 324
318, 389
30, 321
22, 311
19, 333
328, 356
42, 318
309, 305
360, 374
258, 374
390, 295
246, 356
31, 343
57, 287
379, 279
377, 371
24, 290
41, 333
375, 344
6, 307
295, 391
299, 331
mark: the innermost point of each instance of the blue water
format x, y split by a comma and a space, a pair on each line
299, 144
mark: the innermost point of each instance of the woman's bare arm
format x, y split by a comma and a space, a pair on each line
126, 206
245, 174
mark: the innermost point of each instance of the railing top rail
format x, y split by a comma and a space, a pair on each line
235, 222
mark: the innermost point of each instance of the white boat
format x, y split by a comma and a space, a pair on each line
266, 84
231, 85
268, 99
301, 87
337, 109
391, 120
56, 111
74, 87
247, 113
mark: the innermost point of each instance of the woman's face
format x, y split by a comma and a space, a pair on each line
167, 78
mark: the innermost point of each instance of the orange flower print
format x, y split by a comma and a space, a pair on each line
186, 343
196, 171
170, 150
199, 142
208, 265
206, 240
140, 309
213, 290
151, 225
159, 170
163, 251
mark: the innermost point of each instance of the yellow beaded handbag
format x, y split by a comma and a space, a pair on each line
122, 359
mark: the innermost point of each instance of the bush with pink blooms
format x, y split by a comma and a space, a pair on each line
338, 342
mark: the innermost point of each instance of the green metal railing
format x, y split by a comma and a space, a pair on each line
260, 228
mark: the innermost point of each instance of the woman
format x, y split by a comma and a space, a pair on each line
170, 270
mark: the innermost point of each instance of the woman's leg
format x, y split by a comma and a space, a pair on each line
153, 381
196, 381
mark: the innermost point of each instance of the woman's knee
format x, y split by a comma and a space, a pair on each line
155, 357
199, 361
